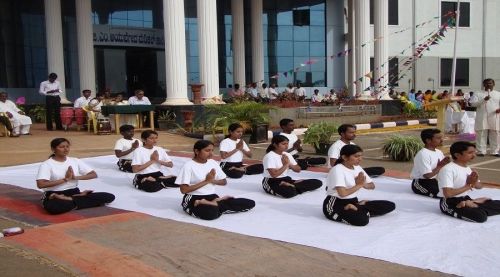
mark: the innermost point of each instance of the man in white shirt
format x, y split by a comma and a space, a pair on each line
487, 122
294, 145
300, 92
252, 92
273, 94
20, 123
51, 90
264, 93
427, 164
83, 100
139, 98
347, 134
316, 97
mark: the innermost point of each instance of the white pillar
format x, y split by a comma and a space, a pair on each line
86, 64
362, 18
175, 53
381, 46
238, 42
257, 41
55, 51
207, 41
351, 58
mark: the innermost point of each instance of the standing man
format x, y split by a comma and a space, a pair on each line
487, 123
51, 90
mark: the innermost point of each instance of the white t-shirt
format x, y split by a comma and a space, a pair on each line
424, 162
193, 172
453, 175
341, 176
292, 138
135, 101
334, 150
95, 105
81, 102
300, 91
124, 145
273, 160
227, 145
52, 170
272, 93
142, 155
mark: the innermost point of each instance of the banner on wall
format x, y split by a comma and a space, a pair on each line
128, 36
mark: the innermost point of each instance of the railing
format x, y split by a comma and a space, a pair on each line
337, 111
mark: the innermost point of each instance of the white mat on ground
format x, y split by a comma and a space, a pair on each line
416, 234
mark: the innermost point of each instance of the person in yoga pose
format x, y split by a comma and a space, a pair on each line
58, 177
455, 179
427, 164
344, 181
147, 162
125, 147
347, 134
276, 162
295, 145
232, 150
198, 179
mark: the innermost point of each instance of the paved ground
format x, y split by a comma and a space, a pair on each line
36, 148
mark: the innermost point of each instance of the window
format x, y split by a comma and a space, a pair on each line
393, 18
301, 17
462, 74
447, 7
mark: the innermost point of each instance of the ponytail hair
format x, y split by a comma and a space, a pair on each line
348, 150
276, 140
56, 142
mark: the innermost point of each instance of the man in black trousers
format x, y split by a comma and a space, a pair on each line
51, 90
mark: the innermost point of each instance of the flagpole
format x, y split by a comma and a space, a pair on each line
454, 64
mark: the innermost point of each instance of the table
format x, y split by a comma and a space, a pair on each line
130, 109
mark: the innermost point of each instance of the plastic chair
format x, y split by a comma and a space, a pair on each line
91, 119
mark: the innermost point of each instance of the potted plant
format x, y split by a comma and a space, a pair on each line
166, 120
319, 135
402, 148
253, 116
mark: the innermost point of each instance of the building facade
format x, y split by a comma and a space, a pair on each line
161, 46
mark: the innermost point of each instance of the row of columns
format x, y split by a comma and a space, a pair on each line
358, 38
175, 48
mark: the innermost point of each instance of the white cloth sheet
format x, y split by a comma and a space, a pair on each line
464, 119
415, 234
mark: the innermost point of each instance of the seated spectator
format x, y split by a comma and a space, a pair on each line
83, 100
20, 123
139, 98
119, 101
316, 98
236, 92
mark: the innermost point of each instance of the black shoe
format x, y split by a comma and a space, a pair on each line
480, 155
497, 155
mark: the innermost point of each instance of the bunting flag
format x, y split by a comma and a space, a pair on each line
434, 39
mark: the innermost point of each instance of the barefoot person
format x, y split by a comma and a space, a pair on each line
276, 164
232, 150
58, 177
125, 147
456, 179
427, 164
147, 162
347, 134
198, 179
344, 181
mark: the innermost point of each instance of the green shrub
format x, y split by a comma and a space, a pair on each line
402, 148
320, 133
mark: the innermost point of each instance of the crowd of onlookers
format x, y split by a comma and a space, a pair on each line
419, 100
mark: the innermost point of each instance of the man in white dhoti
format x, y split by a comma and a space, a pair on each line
20, 122
487, 123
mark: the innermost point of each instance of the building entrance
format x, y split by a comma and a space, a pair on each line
125, 70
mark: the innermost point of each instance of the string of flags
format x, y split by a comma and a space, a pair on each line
347, 52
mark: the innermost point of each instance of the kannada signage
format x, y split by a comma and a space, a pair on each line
128, 36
